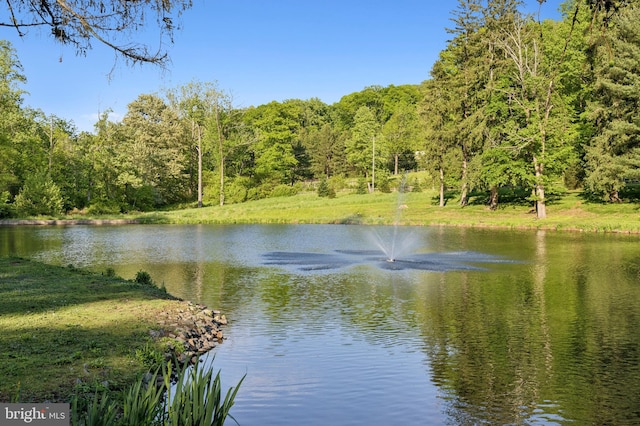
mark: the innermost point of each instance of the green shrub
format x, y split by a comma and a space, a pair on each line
235, 191
337, 182
383, 181
284, 191
325, 190
144, 278
143, 198
149, 356
39, 196
259, 192
415, 186
6, 208
362, 187
100, 207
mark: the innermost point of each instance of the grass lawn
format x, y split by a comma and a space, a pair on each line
567, 212
64, 330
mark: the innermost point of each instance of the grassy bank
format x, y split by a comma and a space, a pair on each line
66, 331
568, 212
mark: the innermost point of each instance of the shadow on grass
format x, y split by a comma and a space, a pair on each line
32, 287
448, 195
61, 328
40, 363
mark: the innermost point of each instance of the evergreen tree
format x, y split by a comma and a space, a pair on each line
613, 154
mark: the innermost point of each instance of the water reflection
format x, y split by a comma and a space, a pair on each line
491, 327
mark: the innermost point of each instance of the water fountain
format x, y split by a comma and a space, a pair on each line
397, 248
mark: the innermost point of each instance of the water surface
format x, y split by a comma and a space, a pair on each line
466, 327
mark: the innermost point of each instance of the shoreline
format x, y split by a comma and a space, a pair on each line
479, 225
64, 222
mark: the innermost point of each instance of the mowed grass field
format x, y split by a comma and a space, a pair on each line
569, 212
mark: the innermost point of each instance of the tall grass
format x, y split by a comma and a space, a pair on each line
185, 396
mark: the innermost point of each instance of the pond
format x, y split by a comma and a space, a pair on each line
467, 326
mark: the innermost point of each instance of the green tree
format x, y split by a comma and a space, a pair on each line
207, 111
613, 153
462, 75
325, 190
327, 153
155, 156
400, 134
361, 147
540, 117
277, 127
438, 126
102, 152
39, 196
497, 163
346, 109
11, 77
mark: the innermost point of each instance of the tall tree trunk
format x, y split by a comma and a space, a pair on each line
464, 191
395, 166
222, 180
441, 187
220, 151
541, 207
493, 198
51, 146
614, 196
199, 149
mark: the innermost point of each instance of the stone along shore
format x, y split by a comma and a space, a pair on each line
193, 326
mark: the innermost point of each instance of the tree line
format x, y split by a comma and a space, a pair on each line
511, 103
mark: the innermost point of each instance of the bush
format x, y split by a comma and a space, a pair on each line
144, 278
415, 187
143, 198
362, 187
325, 190
284, 191
39, 196
104, 207
337, 182
110, 272
6, 209
259, 192
383, 181
235, 191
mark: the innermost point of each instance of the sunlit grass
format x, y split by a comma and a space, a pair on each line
567, 212
61, 328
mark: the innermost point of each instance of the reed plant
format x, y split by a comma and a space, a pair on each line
185, 396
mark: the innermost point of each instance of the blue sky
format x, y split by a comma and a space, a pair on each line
257, 50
